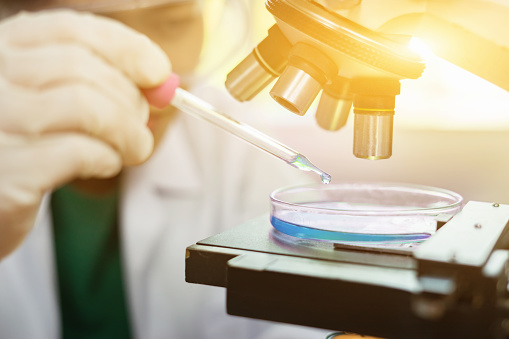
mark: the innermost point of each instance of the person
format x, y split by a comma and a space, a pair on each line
100, 194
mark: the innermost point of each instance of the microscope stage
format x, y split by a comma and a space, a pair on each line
392, 292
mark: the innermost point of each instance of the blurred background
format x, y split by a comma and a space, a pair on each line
451, 128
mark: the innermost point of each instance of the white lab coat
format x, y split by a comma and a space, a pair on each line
199, 182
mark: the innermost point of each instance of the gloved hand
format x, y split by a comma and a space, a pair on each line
70, 107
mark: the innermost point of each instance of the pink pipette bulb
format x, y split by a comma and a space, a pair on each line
162, 95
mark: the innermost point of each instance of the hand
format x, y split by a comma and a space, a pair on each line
70, 107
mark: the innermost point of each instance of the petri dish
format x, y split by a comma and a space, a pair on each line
359, 213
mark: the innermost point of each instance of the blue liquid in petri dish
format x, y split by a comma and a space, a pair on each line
333, 236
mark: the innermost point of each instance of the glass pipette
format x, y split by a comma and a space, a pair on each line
170, 93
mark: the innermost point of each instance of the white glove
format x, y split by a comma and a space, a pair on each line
70, 107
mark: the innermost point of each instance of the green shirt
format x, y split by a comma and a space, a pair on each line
89, 265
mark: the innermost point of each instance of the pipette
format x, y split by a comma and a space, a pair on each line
170, 93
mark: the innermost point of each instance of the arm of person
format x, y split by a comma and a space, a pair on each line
71, 107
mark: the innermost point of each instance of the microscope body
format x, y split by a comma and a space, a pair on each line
472, 34
355, 52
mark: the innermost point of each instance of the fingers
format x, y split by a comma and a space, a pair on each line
70, 106
31, 167
133, 53
58, 65
66, 71
37, 165
77, 107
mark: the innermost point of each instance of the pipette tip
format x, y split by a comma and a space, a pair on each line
326, 178
164, 94
302, 163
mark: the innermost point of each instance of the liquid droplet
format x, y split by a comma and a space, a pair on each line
326, 178
302, 163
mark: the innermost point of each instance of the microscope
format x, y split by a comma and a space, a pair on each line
355, 52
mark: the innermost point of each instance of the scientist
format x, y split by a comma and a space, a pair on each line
92, 246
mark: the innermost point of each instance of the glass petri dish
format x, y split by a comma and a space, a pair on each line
353, 213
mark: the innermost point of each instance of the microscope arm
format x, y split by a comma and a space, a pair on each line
472, 34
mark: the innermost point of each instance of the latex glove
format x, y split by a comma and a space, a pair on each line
70, 107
